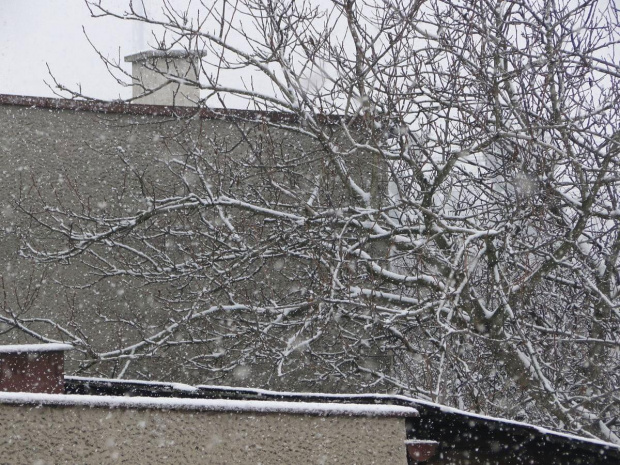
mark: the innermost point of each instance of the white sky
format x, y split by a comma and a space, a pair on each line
36, 32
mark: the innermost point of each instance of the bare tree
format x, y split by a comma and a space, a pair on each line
452, 234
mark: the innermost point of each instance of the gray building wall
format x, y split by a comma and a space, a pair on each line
73, 158
46, 435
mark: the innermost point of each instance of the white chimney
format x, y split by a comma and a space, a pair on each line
165, 77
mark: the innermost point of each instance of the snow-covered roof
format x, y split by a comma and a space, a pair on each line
416, 403
210, 405
385, 401
138, 382
34, 348
504, 421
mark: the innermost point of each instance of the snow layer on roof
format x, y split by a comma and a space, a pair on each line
147, 54
376, 397
23, 348
175, 386
210, 405
539, 429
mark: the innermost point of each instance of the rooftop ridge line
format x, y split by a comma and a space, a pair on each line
123, 108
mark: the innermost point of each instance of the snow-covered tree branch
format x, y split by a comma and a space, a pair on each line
440, 217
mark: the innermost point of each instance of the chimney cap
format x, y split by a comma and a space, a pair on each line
148, 54
34, 348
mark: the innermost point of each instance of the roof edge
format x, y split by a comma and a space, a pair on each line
123, 108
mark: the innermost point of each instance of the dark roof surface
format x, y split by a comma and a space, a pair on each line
494, 439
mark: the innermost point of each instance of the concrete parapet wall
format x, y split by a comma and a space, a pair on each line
94, 435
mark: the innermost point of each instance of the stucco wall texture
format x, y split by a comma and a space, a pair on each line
73, 158
71, 152
46, 435
56, 150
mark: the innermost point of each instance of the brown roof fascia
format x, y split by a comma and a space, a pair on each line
97, 106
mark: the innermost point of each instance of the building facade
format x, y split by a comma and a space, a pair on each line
111, 160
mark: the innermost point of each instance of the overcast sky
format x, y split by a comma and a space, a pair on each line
36, 32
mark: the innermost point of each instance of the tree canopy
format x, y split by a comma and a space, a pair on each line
448, 228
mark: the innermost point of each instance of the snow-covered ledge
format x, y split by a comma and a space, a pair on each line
211, 405
34, 348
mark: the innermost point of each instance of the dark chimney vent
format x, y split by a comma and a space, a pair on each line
33, 368
419, 451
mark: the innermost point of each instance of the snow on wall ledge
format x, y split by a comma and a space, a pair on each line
37, 428
210, 405
34, 348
